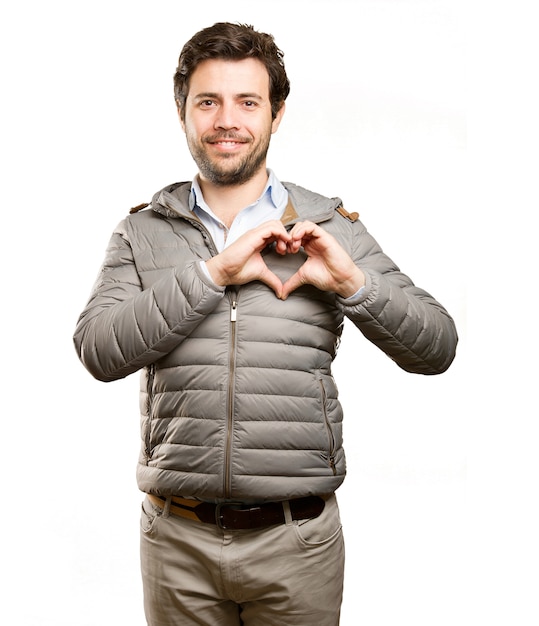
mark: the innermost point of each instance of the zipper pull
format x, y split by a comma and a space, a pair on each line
233, 311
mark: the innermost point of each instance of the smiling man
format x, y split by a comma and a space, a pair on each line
229, 293
228, 121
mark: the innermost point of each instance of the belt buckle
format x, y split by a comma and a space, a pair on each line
219, 514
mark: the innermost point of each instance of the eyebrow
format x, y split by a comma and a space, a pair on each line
239, 96
252, 96
205, 94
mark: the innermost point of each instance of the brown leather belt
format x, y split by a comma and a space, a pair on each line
238, 516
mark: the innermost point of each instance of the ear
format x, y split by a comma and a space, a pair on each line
278, 118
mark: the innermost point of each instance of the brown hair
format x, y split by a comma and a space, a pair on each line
233, 42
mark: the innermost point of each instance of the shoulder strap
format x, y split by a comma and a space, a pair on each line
139, 207
349, 216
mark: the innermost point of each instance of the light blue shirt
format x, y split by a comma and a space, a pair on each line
270, 206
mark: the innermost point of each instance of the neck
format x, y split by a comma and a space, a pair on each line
227, 201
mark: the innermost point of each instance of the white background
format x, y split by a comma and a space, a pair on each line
378, 115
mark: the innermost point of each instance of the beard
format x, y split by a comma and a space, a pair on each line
228, 170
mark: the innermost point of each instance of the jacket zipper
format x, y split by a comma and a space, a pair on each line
149, 405
331, 436
230, 394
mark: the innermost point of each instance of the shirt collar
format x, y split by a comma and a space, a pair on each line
274, 188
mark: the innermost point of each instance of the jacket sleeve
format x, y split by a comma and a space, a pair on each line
404, 321
125, 327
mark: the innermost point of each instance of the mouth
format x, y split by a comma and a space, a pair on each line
227, 143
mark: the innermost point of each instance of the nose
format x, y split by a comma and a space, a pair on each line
227, 117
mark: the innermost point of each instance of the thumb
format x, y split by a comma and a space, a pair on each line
272, 281
291, 285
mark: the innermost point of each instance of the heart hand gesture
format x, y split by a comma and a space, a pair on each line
328, 266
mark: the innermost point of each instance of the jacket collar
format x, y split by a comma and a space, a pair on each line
173, 201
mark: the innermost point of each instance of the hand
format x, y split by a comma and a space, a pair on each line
328, 267
242, 262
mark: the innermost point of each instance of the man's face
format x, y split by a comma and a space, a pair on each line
228, 122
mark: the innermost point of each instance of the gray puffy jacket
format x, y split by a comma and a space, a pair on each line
237, 396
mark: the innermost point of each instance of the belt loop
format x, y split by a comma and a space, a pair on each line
287, 512
166, 509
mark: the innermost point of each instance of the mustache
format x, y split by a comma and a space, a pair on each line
228, 136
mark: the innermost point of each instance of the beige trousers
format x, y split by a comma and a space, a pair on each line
196, 573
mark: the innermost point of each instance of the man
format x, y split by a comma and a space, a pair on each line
229, 294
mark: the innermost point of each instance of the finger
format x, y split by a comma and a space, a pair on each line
281, 246
302, 228
291, 285
296, 240
273, 282
274, 228
301, 234
294, 246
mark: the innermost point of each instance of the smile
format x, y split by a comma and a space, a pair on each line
227, 145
